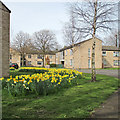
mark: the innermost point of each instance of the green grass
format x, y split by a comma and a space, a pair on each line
112, 68
75, 102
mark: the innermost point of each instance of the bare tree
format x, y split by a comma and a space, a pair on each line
93, 16
112, 39
44, 41
70, 34
21, 43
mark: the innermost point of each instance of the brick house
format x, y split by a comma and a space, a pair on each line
111, 56
80, 56
4, 40
32, 58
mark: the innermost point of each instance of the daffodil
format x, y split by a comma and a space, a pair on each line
2, 78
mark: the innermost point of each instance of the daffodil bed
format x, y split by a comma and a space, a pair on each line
78, 101
44, 83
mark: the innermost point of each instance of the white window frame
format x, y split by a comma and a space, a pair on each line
116, 53
89, 63
115, 63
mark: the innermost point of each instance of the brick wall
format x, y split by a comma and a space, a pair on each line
80, 55
0, 40
109, 59
4, 40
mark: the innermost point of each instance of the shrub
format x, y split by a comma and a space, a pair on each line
59, 66
33, 69
12, 68
52, 65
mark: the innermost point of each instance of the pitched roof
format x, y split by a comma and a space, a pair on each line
68, 47
32, 51
5, 7
39, 52
110, 48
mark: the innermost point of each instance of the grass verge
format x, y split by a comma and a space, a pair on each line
75, 102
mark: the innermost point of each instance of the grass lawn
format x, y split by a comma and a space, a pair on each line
75, 102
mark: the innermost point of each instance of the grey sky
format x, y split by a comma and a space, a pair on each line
34, 16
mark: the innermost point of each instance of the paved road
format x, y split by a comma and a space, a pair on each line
110, 108
104, 72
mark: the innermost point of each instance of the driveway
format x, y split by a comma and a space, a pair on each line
109, 109
103, 72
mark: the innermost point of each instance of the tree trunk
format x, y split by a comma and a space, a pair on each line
22, 59
93, 61
93, 79
43, 61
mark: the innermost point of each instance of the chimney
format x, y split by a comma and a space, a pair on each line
119, 38
116, 40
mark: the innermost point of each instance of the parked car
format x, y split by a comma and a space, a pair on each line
15, 65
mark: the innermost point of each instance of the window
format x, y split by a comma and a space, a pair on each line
70, 62
39, 57
29, 56
39, 62
89, 63
104, 62
71, 51
116, 62
10, 56
116, 54
50, 56
29, 62
62, 55
104, 53
88, 52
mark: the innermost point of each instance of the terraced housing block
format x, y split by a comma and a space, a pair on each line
4, 40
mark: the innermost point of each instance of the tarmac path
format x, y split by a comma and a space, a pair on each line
111, 107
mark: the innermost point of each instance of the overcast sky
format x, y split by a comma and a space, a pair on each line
34, 16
